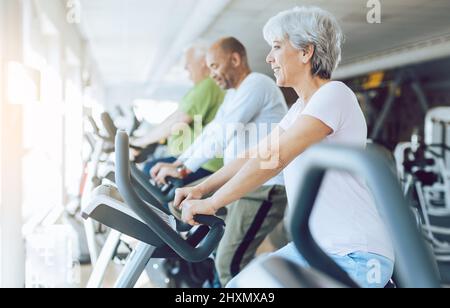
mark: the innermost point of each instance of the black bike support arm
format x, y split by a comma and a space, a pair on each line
414, 263
167, 234
155, 200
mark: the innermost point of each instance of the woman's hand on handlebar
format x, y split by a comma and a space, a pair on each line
186, 193
190, 208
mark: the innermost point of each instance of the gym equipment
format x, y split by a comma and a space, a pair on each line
402, 77
73, 208
100, 158
99, 167
150, 224
156, 194
104, 146
415, 267
437, 131
144, 153
425, 174
171, 272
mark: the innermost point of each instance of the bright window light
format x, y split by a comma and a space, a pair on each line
52, 87
22, 84
154, 112
73, 135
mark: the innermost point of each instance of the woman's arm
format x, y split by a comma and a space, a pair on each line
219, 178
272, 159
274, 154
211, 184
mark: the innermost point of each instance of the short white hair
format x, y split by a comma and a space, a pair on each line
305, 26
200, 48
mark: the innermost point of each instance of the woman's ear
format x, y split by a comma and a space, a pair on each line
307, 54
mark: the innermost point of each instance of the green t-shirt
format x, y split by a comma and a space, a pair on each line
201, 103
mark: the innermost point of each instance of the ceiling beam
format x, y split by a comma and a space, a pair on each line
435, 48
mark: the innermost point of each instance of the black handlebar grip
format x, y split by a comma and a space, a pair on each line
209, 221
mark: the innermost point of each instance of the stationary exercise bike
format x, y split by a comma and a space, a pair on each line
415, 266
152, 224
164, 273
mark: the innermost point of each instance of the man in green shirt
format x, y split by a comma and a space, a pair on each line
197, 108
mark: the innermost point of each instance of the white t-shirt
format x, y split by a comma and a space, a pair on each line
345, 218
246, 116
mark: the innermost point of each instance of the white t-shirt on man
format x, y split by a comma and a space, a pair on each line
345, 218
246, 116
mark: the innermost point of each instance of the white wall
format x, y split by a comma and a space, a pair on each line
64, 50
11, 242
70, 56
2, 44
72, 39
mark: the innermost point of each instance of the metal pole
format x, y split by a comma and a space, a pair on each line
135, 266
423, 102
387, 107
107, 253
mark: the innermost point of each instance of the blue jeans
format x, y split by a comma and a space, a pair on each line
368, 270
191, 178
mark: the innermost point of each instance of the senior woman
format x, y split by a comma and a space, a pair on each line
306, 49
